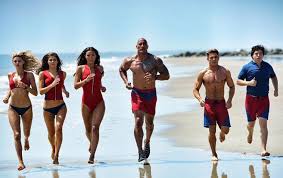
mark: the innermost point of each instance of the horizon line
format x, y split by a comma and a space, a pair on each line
153, 51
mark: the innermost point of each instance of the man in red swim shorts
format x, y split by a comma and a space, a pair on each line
255, 75
146, 69
215, 107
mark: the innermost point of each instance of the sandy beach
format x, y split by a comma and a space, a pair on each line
187, 127
179, 119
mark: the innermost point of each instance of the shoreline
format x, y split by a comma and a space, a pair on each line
186, 128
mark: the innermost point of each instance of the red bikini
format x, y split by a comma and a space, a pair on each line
24, 80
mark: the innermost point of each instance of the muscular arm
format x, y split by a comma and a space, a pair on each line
231, 85
163, 71
275, 85
125, 66
197, 86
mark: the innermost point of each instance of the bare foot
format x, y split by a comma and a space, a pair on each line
222, 137
250, 134
91, 162
214, 158
26, 147
21, 166
265, 153
55, 161
91, 159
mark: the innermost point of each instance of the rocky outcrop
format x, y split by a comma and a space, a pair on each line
242, 52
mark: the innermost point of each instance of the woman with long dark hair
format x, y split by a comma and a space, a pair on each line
51, 83
88, 76
21, 83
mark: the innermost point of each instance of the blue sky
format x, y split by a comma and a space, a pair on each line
115, 25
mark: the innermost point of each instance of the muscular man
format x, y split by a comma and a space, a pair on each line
146, 69
215, 106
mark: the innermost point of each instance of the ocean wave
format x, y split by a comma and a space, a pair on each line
163, 56
3, 82
3, 111
69, 68
111, 59
109, 64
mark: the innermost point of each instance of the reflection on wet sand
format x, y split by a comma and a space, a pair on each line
265, 172
92, 173
214, 173
55, 173
145, 172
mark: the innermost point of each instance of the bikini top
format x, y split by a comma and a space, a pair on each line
12, 81
54, 93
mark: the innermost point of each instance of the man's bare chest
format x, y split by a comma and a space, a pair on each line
143, 66
214, 77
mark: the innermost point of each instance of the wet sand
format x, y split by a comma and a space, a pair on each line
187, 127
171, 164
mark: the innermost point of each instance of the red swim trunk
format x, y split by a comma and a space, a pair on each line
144, 100
215, 111
257, 106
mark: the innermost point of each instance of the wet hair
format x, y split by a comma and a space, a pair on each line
44, 62
257, 48
31, 62
212, 51
82, 60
